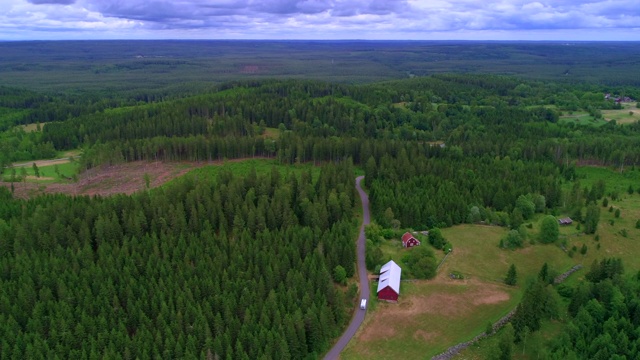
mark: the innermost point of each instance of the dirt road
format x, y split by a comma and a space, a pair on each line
358, 317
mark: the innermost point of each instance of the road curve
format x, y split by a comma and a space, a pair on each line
358, 317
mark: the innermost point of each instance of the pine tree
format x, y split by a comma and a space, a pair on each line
512, 276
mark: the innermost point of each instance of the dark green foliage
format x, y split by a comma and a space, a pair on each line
544, 275
512, 276
549, 229
436, 239
604, 318
505, 344
608, 268
638, 224
512, 240
373, 255
539, 302
617, 213
170, 272
526, 206
583, 249
489, 329
421, 262
591, 219
340, 275
605, 202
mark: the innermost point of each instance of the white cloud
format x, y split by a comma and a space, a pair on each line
330, 19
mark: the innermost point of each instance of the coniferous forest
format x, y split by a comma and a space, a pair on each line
242, 266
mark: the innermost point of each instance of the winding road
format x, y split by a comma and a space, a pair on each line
358, 317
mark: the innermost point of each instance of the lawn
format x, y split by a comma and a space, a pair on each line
432, 315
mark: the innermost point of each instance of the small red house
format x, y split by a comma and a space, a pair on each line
409, 241
389, 282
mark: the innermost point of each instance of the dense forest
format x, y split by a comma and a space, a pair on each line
244, 267
233, 267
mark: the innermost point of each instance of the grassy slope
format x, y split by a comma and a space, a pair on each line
444, 312
612, 244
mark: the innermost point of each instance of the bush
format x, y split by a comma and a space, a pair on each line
421, 262
512, 240
436, 239
565, 291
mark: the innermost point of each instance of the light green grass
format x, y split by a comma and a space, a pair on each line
48, 173
612, 244
615, 181
622, 116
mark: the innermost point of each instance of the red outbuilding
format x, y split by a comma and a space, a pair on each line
409, 241
389, 282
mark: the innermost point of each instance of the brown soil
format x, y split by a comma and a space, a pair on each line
108, 180
124, 178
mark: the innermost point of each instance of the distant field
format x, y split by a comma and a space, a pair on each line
627, 115
65, 171
432, 315
581, 119
32, 127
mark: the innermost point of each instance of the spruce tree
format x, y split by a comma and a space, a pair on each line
512, 276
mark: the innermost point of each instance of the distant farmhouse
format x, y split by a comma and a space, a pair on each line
618, 99
389, 282
565, 221
409, 241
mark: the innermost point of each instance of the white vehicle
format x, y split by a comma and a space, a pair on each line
363, 304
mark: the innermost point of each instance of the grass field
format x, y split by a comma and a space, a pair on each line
57, 171
627, 115
32, 127
618, 237
432, 315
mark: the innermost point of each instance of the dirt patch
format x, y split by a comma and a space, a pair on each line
124, 178
108, 180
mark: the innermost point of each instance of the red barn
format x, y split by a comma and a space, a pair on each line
409, 241
389, 282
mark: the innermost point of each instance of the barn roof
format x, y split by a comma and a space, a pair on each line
406, 237
390, 276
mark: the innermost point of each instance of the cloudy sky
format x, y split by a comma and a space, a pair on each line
321, 19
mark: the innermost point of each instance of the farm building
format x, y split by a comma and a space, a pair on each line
409, 241
565, 221
389, 282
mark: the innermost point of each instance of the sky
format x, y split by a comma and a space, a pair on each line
321, 19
